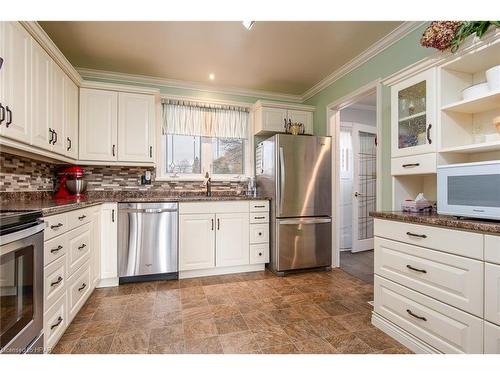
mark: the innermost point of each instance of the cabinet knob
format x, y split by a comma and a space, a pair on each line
260, 233
260, 254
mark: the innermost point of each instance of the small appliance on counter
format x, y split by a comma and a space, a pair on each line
469, 190
71, 184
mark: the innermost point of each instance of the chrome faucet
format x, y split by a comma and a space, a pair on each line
208, 183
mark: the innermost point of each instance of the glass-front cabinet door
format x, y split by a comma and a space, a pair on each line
413, 118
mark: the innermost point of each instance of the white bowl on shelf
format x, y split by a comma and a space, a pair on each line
475, 91
493, 77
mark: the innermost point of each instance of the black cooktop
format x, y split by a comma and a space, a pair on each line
10, 220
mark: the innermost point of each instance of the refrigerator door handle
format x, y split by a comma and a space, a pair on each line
282, 178
312, 220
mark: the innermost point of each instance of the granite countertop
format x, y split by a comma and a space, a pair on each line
446, 221
50, 206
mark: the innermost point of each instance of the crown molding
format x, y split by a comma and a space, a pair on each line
87, 84
39, 34
299, 107
398, 33
90, 74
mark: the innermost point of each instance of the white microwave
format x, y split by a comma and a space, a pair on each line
469, 190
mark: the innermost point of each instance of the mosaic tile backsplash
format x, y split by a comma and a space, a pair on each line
19, 174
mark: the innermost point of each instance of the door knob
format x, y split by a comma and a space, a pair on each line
356, 194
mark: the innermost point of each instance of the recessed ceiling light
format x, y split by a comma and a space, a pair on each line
248, 24
211, 76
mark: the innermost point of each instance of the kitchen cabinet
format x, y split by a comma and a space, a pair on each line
70, 118
232, 239
109, 245
96, 234
57, 105
40, 98
15, 81
413, 115
98, 125
196, 241
270, 117
491, 338
136, 127
492, 293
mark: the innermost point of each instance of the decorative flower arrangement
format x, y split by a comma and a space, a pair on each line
450, 34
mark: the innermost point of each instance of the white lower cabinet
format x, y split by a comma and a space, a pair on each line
232, 240
492, 293
70, 251
491, 338
215, 237
196, 241
109, 245
441, 326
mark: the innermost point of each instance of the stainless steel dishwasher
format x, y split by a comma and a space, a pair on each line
147, 241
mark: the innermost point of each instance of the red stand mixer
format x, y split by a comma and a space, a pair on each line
71, 184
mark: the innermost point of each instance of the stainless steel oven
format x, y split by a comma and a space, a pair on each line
21, 282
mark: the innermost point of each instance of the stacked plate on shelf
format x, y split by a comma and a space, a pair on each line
492, 84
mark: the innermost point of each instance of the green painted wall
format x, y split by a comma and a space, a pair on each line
394, 58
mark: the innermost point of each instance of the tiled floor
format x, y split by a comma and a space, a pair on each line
358, 264
320, 312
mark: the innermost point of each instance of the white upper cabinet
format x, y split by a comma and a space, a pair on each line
270, 117
232, 239
302, 117
58, 83
70, 118
98, 125
413, 115
41, 69
15, 80
196, 241
136, 127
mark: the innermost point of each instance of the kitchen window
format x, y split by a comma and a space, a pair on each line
200, 138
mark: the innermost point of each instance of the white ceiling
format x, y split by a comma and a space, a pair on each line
282, 57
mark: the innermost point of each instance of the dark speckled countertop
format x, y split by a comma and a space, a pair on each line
49, 206
473, 225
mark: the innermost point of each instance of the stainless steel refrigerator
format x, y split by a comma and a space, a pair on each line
295, 171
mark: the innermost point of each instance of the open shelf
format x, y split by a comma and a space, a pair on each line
473, 148
482, 103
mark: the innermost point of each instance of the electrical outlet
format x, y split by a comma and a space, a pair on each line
146, 178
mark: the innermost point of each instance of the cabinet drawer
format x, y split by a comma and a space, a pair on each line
79, 249
54, 323
213, 207
457, 242
446, 328
259, 217
55, 248
56, 225
259, 233
417, 164
492, 293
259, 206
492, 249
54, 281
448, 278
79, 217
491, 338
78, 290
259, 253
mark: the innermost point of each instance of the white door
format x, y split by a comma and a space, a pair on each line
196, 241
41, 71
70, 118
413, 117
136, 126
364, 153
302, 117
109, 239
491, 338
15, 82
58, 79
273, 119
232, 245
492, 293
346, 174
98, 125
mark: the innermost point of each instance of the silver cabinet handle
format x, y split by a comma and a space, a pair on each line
259, 217
218, 224
56, 226
415, 269
81, 217
416, 235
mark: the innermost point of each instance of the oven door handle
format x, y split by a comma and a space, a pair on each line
16, 236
